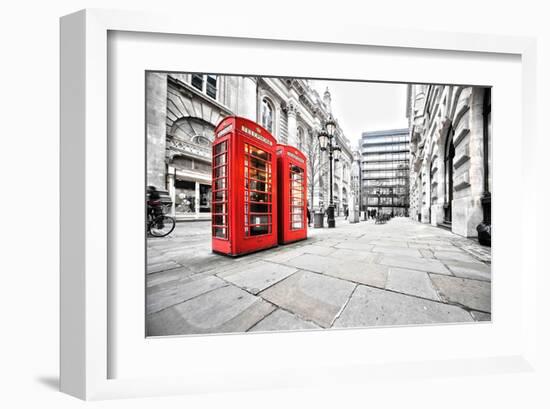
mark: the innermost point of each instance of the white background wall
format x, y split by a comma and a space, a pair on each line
29, 204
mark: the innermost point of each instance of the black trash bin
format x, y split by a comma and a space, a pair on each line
318, 220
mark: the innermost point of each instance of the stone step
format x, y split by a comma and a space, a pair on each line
446, 225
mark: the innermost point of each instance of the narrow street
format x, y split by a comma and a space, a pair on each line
356, 275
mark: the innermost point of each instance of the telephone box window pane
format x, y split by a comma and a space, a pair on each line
220, 232
258, 174
220, 196
220, 208
260, 208
258, 163
220, 220
220, 184
260, 186
260, 219
220, 148
219, 160
259, 197
220, 172
259, 153
259, 230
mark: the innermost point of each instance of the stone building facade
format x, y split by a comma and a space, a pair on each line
450, 131
184, 109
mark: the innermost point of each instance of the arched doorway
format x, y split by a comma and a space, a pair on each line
449, 169
189, 167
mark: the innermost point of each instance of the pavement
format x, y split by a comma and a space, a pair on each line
355, 275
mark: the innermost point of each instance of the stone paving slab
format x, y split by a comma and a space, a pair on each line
400, 251
163, 266
171, 293
356, 255
318, 249
415, 263
453, 255
475, 270
226, 309
258, 276
374, 307
284, 255
473, 294
354, 245
426, 253
358, 272
388, 243
412, 282
281, 319
481, 316
313, 297
173, 275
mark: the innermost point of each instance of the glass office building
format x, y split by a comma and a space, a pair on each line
385, 172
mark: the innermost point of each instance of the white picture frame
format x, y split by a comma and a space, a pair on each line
86, 258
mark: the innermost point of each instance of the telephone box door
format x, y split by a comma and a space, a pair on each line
292, 175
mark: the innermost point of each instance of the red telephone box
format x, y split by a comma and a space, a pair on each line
244, 194
292, 189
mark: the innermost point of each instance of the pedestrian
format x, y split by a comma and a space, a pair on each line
346, 213
308, 217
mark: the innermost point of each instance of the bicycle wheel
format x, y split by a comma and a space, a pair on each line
162, 226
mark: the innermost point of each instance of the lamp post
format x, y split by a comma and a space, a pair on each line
328, 143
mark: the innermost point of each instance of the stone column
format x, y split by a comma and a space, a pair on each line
474, 212
476, 143
439, 212
171, 187
353, 213
425, 192
197, 199
248, 104
157, 85
292, 128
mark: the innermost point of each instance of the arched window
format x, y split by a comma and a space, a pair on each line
267, 114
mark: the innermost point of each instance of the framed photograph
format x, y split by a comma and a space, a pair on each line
244, 208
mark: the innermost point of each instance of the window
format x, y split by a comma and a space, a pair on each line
267, 115
300, 138
219, 192
257, 191
205, 83
297, 198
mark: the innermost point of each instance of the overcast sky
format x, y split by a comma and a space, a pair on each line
365, 106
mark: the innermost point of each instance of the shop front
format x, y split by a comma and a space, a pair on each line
189, 183
192, 199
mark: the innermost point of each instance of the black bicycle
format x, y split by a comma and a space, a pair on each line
158, 223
